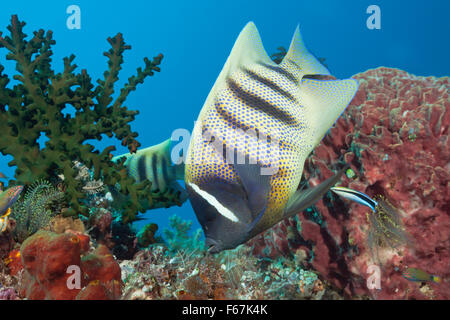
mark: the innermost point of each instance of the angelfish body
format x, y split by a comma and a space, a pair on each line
271, 117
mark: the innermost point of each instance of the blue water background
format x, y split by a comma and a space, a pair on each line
197, 36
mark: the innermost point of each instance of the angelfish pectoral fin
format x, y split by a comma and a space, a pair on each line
303, 199
253, 224
356, 196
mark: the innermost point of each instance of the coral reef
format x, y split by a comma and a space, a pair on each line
39, 270
155, 273
106, 227
46, 258
7, 241
147, 235
8, 294
60, 224
190, 272
395, 136
35, 106
124, 239
178, 238
13, 262
34, 211
8, 284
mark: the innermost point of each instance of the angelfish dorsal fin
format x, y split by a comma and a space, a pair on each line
299, 59
303, 199
248, 49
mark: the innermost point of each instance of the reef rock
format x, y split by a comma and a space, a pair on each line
50, 261
394, 134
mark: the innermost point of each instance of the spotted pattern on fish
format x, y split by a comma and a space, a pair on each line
256, 99
262, 99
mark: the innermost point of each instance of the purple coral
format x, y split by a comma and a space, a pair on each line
8, 294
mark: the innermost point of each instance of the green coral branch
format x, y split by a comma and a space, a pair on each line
35, 105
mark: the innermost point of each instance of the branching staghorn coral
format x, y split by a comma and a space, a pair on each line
35, 105
34, 211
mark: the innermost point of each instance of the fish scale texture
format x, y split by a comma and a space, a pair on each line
394, 135
230, 114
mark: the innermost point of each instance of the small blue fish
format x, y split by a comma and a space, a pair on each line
385, 225
356, 196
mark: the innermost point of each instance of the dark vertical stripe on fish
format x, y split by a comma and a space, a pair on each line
230, 118
128, 166
269, 83
154, 171
141, 169
258, 103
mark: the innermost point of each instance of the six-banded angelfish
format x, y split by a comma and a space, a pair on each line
259, 123
418, 275
7, 199
155, 164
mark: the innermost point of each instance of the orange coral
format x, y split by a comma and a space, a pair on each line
14, 262
47, 256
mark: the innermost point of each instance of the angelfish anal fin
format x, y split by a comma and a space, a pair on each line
256, 185
303, 199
